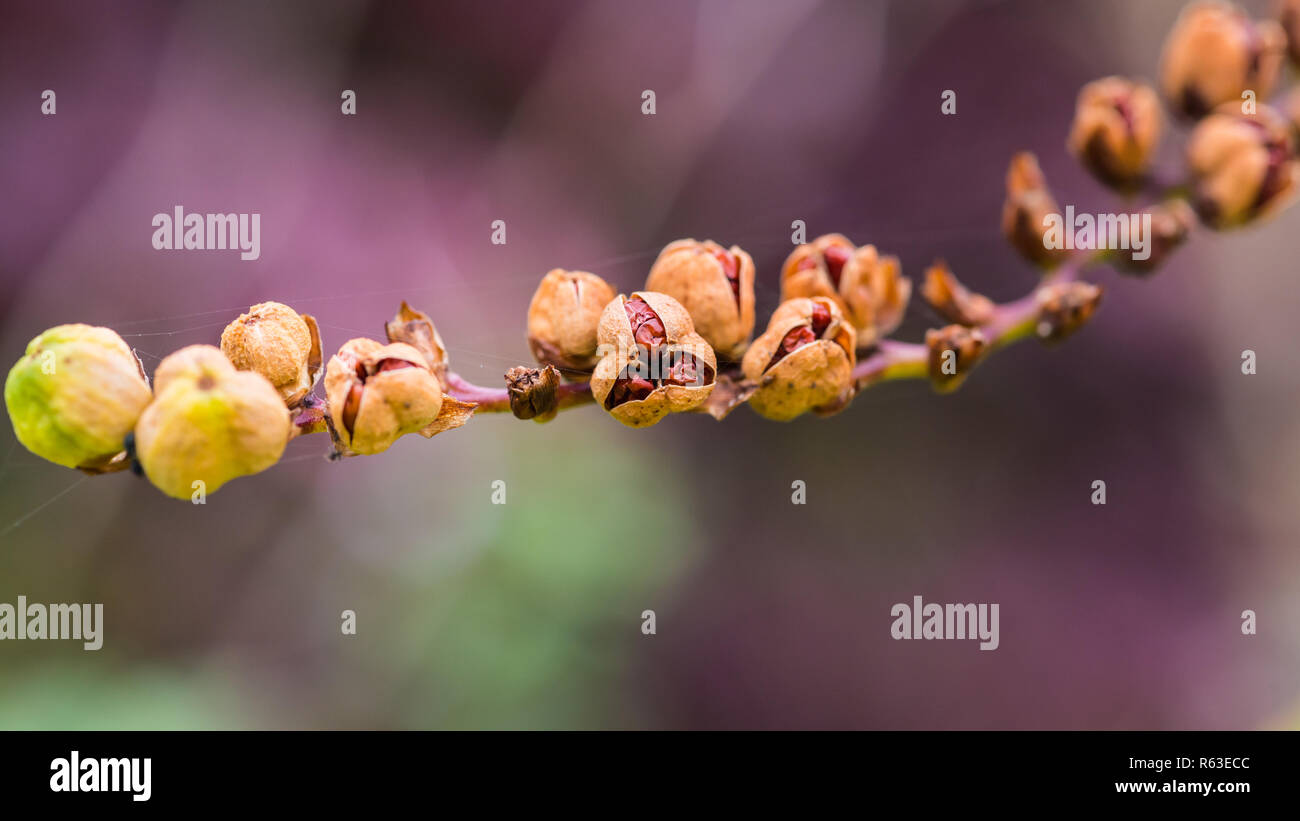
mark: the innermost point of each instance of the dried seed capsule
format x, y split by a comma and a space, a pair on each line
1027, 205
952, 300
652, 361
1116, 129
562, 319
275, 341
75, 395
208, 422
1243, 166
1064, 308
868, 288
714, 284
1171, 223
378, 393
954, 350
803, 361
1214, 53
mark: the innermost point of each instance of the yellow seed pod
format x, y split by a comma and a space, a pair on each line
75, 395
716, 287
208, 423
563, 316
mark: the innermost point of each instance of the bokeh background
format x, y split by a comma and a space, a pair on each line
528, 614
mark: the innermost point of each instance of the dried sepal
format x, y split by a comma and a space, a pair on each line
953, 351
451, 415
416, 329
730, 391
1064, 308
716, 287
803, 361
952, 300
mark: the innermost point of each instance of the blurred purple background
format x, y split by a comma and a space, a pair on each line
528, 614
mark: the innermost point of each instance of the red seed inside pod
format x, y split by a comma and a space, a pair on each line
689, 372
793, 340
836, 256
393, 365
647, 329
628, 389
731, 268
821, 319
352, 406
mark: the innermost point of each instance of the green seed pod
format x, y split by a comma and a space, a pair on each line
209, 423
75, 395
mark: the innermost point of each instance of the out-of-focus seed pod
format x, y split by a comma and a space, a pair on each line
716, 287
208, 423
75, 395
869, 289
1243, 166
1216, 52
652, 361
954, 351
280, 344
1116, 130
1028, 204
562, 319
378, 393
803, 361
1171, 224
1064, 308
952, 300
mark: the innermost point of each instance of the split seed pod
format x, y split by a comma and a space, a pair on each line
563, 316
1214, 53
803, 361
868, 288
208, 422
1243, 166
75, 395
280, 344
652, 361
1116, 129
378, 393
714, 284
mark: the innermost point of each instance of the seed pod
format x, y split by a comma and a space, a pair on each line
803, 361
208, 422
1116, 130
954, 351
378, 393
1171, 223
952, 300
1214, 53
1064, 308
1243, 167
1028, 203
714, 284
652, 361
562, 319
75, 395
869, 289
275, 341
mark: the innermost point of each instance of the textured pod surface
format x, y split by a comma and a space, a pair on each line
379, 393
280, 344
803, 361
716, 287
208, 422
75, 395
563, 316
661, 366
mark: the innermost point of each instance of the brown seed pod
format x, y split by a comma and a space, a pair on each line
208, 423
562, 319
1214, 53
378, 393
953, 351
1116, 130
868, 288
652, 361
714, 284
275, 341
1243, 166
803, 361
1028, 203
